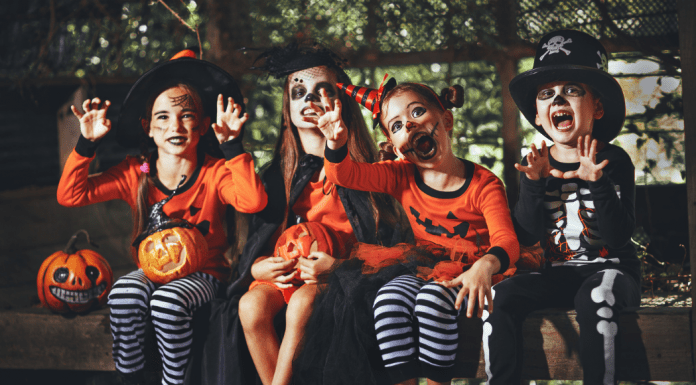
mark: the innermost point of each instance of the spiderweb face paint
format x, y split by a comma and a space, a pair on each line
183, 101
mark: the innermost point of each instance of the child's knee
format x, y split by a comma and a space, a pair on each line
301, 304
254, 307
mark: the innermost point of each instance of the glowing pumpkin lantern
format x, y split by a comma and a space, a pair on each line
169, 248
74, 280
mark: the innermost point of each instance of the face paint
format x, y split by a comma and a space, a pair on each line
415, 127
175, 121
304, 86
566, 110
185, 101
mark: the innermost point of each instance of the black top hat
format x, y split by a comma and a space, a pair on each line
208, 79
569, 55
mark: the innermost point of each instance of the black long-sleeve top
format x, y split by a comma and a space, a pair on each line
580, 222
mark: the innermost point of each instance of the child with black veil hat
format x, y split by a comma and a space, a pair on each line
243, 330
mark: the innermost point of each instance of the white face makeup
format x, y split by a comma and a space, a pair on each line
567, 110
177, 122
417, 130
304, 87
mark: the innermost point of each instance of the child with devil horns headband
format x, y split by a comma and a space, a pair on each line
577, 199
171, 105
457, 209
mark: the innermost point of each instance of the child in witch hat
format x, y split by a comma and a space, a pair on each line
577, 199
171, 107
457, 209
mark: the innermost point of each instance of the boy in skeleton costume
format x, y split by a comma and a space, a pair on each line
577, 199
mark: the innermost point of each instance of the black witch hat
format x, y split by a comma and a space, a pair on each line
569, 55
207, 78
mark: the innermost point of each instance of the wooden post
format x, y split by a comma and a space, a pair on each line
507, 69
687, 48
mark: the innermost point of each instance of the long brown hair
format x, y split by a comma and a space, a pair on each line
288, 150
140, 212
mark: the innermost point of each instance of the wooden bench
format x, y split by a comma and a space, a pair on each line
655, 344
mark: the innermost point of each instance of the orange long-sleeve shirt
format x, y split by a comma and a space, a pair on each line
470, 222
200, 201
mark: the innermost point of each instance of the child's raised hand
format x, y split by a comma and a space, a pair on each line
589, 170
313, 268
329, 121
538, 165
229, 124
476, 283
93, 123
276, 270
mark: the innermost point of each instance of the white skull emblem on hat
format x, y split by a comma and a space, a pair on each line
555, 45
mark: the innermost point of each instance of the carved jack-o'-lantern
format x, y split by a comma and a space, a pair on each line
169, 248
74, 280
172, 253
304, 238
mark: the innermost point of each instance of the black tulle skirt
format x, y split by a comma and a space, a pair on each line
340, 344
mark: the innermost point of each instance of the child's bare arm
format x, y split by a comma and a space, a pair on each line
274, 269
314, 267
93, 123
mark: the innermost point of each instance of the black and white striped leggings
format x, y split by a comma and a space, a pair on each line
432, 305
134, 299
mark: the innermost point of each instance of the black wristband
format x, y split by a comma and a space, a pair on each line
86, 147
232, 148
336, 156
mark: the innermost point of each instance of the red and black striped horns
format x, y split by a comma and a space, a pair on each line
370, 98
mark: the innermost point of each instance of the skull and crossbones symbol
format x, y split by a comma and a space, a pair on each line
555, 45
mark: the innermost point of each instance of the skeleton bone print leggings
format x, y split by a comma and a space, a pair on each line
598, 292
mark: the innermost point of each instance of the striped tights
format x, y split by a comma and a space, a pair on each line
434, 326
134, 300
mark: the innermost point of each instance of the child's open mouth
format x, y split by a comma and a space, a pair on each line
562, 120
423, 145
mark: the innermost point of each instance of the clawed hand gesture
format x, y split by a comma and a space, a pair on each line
589, 170
329, 121
476, 284
93, 123
538, 165
229, 124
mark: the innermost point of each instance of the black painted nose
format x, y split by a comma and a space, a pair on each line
559, 100
311, 97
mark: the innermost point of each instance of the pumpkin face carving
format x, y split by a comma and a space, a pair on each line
172, 253
74, 280
304, 238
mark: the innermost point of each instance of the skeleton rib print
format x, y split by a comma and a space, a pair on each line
572, 231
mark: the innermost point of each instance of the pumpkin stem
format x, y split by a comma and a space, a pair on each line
70, 248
